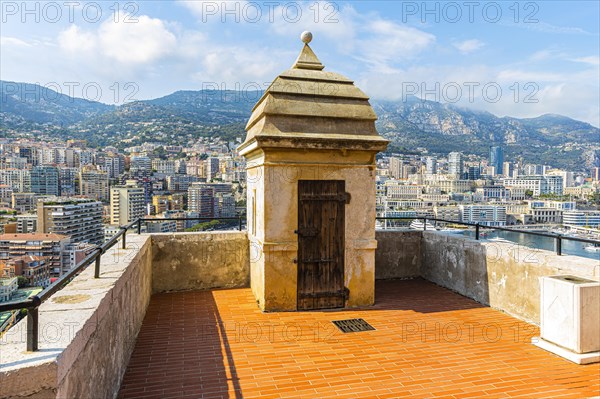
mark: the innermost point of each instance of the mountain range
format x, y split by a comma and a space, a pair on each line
411, 125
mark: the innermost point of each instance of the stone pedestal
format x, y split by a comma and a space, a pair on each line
570, 318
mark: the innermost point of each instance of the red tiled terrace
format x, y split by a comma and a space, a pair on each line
428, 342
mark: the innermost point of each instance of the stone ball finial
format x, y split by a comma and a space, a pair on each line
306, 37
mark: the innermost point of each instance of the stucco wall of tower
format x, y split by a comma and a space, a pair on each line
255, 173
274, 275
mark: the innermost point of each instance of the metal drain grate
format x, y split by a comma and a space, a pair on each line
353, 325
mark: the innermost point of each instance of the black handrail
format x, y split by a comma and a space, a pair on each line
33, 303
557, 237
142, 220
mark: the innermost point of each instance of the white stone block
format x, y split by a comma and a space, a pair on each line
570, 313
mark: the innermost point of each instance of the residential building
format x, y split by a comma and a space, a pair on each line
114, 165
93, 184
396, 168
489, 215
26, 223
582, 218
202, 198
18, 179
78, 218
36, 269
538, 185
24, 202
8, 287
166, 167
431, 165
447, 213
181, 183
455, 164
69, 184
45, 180
50, 246
127, 203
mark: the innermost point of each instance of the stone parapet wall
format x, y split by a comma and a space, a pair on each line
200, 261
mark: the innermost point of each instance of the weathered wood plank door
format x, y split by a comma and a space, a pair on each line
321, 221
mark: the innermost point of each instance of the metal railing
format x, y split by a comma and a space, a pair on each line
139, 222
33, 303
557, 237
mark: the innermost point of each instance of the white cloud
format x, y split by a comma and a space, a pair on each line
468, 46
140, 42
391, 43
75, 40
591, 60
13, 41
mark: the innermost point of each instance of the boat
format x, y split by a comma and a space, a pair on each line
592, 248
500, 239
418, 225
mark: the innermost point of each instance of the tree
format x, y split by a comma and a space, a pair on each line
22, 281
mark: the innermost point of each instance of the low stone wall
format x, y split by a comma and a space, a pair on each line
398, 254
502, 275
87, 331
199, 261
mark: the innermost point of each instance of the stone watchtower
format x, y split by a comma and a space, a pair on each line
310, 149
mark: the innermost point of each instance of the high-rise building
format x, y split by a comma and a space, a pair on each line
508, 169
114, 165
212, 168
26, 223
24, 202
93, 183
396, 167
474, 173
78, 218
203, 198
455, 164
140, 165
496, 159
431, 165
18, 179
166, 167
127, 203
596, 174
45, 180
68, 181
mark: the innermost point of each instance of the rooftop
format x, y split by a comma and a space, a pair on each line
427, 342
32, 237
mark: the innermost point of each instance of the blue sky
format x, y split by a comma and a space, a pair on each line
512, 58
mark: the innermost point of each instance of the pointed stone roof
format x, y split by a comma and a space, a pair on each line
307, 107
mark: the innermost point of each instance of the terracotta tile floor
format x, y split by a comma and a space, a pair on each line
429, 342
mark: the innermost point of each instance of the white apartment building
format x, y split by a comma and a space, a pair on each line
537, 184
489, 215
582, 218
127, 203
78, 218
8, 286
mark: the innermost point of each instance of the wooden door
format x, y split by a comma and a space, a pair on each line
321, 244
